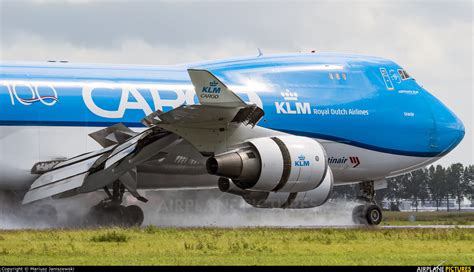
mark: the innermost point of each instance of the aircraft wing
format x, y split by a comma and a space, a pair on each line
218, 107
203, 125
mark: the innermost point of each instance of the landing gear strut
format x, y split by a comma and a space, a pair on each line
367, 213
110, 212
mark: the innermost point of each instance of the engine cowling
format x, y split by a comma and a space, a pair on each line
308, 199
270, 164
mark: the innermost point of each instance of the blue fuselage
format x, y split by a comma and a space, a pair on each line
361, 101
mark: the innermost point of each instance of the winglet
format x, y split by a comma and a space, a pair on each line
211, 91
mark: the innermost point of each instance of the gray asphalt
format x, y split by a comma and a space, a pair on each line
384, 227
429, 227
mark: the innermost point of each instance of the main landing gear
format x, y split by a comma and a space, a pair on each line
367, 213
110, 212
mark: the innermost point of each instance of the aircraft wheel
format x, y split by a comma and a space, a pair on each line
134, 215
116, 215
368, 214
101, 215
373, 214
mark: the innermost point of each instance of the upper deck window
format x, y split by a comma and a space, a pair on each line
338, 76
403, 74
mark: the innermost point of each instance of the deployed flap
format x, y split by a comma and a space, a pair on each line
65, 185
112, 135
63, 177
202, 116
94, 170
211, 91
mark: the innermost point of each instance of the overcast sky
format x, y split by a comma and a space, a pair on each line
432, 39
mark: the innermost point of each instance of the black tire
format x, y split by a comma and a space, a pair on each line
94, 217
373, 214
105, 216
134, 215
358, 215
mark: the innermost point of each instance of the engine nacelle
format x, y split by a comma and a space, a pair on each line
309, 199
282, 163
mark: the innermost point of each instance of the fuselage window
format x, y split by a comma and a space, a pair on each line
338, 76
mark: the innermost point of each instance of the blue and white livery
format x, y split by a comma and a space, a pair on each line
278, 130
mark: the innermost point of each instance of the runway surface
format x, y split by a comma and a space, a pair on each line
262, 226
429, 227
382, 227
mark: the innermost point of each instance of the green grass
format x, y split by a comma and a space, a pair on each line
244, 246
428, 218
110, 236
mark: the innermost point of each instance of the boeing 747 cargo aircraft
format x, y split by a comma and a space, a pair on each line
280, 130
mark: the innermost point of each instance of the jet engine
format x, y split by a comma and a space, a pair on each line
273, 164
309, 199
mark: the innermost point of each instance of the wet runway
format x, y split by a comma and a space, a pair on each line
382, 227
27, 227
429, 227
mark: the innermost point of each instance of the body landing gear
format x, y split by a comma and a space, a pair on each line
367, 213
110, 212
